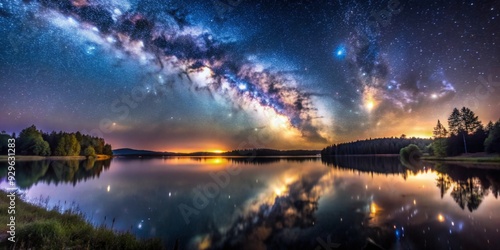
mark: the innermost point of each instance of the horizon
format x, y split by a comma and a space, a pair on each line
220, 151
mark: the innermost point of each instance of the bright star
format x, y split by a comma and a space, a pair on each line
90, 50
370, 105
340, 52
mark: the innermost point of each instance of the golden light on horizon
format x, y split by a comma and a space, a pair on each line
424, 136
217, 149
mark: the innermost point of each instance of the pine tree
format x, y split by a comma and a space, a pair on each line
470, 121
439, 131
439, 144
492, 143
454, 122
463, 122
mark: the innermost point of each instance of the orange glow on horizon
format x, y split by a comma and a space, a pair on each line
421, 136
218, 150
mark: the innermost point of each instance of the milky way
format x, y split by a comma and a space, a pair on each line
167, 41
309, 73
377, 78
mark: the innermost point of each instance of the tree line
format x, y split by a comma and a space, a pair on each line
374, 146
32, 141
465, 134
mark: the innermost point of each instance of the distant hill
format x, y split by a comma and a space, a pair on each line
271, 152
138, 152
245, 152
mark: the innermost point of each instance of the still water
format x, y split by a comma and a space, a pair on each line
277, 203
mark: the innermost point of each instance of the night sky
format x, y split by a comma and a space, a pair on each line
219, 75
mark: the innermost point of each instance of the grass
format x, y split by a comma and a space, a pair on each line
39, 228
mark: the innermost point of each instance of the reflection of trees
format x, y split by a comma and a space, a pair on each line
443, 183
368, 164
470, 185
469, 193
495, 184
270, 160
29, 173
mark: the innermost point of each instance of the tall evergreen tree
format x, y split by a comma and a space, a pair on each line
439, 131
470, 121
489, 127
439, 145
463, 123
454, 122
492, 143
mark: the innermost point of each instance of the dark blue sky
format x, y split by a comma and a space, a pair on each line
216, 75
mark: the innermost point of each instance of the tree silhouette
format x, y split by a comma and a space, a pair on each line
439, 145
469, 193
469, 120
492, 142
443, 183
463, 122
34, 142
31, 142
439, 131
454, 122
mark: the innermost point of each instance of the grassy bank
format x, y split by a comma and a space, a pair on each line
37, 228
38, 158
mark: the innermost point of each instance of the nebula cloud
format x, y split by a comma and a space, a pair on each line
382, 86
165, 40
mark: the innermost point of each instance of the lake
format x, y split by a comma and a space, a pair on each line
276, 203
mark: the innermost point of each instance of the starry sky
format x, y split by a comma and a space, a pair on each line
225, 74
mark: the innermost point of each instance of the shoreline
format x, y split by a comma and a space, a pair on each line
464, 159
57, 158
68, 229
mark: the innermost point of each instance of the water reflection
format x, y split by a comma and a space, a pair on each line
468, 186
256, 160
367, 164
282, 203
29, 173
